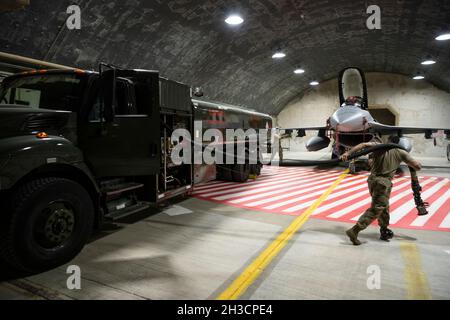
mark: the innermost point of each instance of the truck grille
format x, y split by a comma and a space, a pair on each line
43, 123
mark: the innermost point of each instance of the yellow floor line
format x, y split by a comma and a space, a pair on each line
416, 280
251, 273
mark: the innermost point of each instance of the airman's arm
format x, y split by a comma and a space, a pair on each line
410, 161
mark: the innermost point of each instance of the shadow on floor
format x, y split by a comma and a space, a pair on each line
7, 273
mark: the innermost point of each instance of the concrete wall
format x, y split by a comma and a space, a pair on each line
416, 103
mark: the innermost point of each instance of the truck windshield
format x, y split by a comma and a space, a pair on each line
44, 91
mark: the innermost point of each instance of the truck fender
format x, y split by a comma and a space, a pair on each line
28, 155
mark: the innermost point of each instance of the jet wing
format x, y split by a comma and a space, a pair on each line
386, 129
301, 132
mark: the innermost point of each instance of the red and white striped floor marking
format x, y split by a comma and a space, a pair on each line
344, 200
300, 184
290, 191
314, 185
255, 188
259, 181
365, 201
318, 191
403, 210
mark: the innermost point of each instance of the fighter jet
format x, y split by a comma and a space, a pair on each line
352, 123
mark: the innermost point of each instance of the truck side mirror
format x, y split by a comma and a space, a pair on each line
107, 91
198, 92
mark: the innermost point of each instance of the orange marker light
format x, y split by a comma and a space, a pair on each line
41, 135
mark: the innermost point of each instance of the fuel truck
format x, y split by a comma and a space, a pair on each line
80, 148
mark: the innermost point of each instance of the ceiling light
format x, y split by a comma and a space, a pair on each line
419, 78
234, 20
442, 37
428, 62
278, 55
314, 83
299, 71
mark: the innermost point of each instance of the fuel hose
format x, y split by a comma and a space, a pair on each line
363, 152
415, 185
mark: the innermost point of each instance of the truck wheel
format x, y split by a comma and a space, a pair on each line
51, 220
258, 169
255, 169
224, 173
241, 172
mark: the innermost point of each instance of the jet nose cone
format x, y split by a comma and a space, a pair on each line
348, 119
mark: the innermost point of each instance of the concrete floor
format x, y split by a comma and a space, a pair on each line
198, 254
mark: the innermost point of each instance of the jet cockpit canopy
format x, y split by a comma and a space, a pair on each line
353, 88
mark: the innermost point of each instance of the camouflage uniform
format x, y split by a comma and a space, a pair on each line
380, 189
383, 167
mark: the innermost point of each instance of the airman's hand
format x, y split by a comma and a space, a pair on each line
416, 165
345, 156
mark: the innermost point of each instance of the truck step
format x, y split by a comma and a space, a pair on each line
116, 189
119, 214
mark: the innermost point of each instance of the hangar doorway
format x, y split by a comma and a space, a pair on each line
383, 115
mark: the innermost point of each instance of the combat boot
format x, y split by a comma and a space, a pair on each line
353, 235
386, 234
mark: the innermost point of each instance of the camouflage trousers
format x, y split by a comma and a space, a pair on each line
380, 190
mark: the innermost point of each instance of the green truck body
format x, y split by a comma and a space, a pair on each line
79, 148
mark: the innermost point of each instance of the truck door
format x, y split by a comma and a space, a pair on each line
121, 138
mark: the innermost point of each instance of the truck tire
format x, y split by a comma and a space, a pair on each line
241, 172
255, 169
50, 221
224, 173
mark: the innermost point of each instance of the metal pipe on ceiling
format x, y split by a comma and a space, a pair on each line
21, 62
13, 4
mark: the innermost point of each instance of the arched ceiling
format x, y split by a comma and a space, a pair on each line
188, 41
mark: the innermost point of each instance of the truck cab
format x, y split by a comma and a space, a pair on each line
80, 147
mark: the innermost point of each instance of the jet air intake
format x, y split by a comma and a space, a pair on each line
353, 139
317, 143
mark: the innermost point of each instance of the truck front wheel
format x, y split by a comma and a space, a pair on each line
51, 219
241, 172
